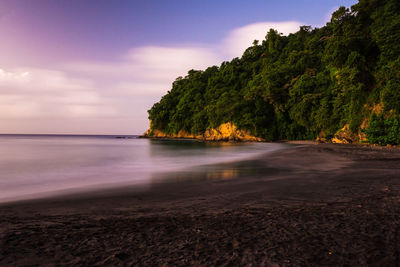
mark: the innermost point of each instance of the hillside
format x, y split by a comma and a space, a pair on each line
340, 82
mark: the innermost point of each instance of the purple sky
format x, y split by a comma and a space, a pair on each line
97, 66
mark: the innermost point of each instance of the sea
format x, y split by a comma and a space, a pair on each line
37, 166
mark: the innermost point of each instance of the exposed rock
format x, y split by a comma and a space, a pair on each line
225, 132
321, 138
229, 132
362, 137
344, 136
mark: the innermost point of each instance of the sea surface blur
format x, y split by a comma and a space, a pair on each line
33, 166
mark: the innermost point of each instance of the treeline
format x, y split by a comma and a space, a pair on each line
297, 86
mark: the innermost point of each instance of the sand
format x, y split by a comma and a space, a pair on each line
308, 205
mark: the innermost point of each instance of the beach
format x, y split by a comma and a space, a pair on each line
318, 204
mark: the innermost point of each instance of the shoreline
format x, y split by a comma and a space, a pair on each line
212, 169
293, 142
325, 204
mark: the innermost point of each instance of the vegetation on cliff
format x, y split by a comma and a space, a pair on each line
299, 86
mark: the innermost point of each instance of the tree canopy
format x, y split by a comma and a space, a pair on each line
294, 87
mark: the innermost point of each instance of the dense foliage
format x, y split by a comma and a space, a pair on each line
294, 87
384, 131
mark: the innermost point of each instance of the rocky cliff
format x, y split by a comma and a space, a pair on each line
225, 132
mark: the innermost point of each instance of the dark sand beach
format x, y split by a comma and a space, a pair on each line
310, 205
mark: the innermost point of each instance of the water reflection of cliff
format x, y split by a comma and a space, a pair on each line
225, 171
191, 161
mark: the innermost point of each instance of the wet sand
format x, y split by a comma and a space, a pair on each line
308, 205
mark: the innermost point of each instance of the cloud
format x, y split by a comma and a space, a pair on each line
47, 93
18, 109
119, 92
13, 76
241, 38
147, 70
150, 70
180, 57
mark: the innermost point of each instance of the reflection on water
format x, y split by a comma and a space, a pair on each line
33, 166
223, 171
223, 174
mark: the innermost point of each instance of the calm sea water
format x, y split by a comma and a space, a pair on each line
42, 165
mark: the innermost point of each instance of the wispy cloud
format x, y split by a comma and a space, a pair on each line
123, 88
150, 70
31, 92
241, 38
146, 70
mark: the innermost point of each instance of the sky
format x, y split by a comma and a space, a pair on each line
97, 66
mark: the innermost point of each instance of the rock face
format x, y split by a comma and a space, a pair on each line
225, 132
345, 136
229, 132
